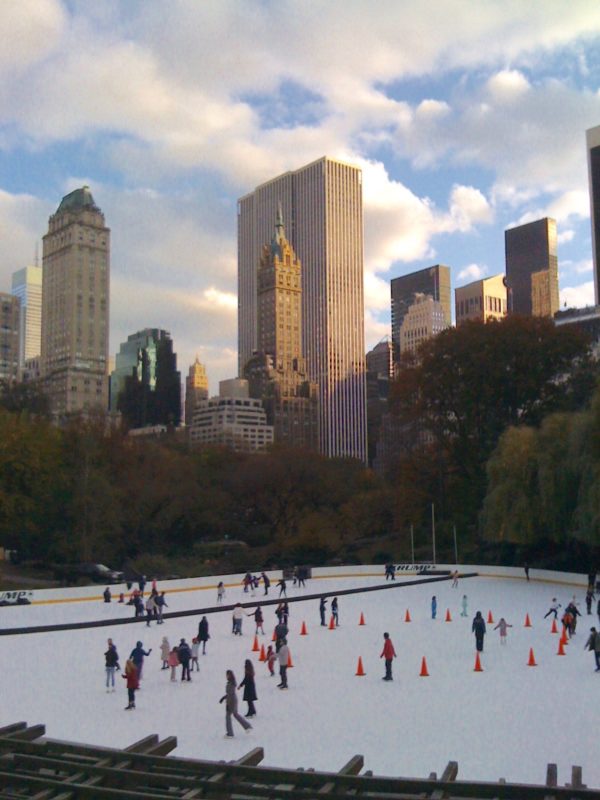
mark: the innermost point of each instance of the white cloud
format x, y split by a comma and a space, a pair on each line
565, 236
507, 85
577, 296
472, 272
22, 220
30, 30
468, 206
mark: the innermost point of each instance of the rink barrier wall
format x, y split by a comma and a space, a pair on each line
430, 577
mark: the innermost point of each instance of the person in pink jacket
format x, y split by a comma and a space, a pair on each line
173, 663
389, 654
503, 626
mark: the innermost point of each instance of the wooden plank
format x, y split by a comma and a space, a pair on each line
144, 745
7, 730
251, 759
162, 748
354, 766
29, 733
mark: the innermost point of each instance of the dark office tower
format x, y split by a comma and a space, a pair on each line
75, 303
433, 281
145, 385
593, 152
380, 368
532, 269
322, 207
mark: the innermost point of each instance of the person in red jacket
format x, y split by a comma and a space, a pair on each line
389, 654
131, 676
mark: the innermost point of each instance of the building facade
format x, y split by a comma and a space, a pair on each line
322, 205
233, 420
276, 373
433, 281
196, 388
425, 318
380, 369
75, 306
532, 268
593, 159
10, 316
145, 386
481, 300
27, 286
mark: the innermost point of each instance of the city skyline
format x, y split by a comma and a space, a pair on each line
170, 117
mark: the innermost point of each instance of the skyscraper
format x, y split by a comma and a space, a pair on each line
10, 313
322, 206
145, 385
481, 300
75, 306
27, 286
532, 268
593, 154
196, 388
276, 373
433, 281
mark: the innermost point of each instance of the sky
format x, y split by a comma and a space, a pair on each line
486, 721
465, 117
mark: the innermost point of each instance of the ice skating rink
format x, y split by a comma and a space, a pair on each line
508, 721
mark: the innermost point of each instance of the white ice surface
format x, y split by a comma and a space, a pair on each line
508, 721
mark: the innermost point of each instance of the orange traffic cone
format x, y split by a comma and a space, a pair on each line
490, 617
362, 620
303, 631
563, 637
554, 628
477, 667
262, 656
407, 616
290, 665
448, 615
331, 623
531, 662
527, 621
561, 648
359, 668
255, 647
423, 673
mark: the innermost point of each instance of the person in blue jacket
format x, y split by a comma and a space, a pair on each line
478, 628
137, 656
433, 607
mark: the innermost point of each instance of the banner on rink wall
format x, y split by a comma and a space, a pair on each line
21, 598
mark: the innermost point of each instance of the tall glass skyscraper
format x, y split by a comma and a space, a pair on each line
27, 286
322, 206
593, 153
532, 268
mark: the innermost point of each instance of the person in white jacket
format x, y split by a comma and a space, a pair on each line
283, 655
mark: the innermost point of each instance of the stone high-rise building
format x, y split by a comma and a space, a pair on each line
593, 154
276, 373
75, 306
532, 268
27, 286
196, 389
322, 206
481, 300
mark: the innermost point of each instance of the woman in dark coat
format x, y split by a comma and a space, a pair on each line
203, 635
478, 629
249, 688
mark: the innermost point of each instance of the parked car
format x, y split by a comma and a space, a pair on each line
101, 573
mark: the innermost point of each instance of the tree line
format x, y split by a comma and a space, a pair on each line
497, 426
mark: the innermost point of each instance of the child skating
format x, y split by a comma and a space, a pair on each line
503, 626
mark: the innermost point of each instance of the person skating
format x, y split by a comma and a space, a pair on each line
237, 618
575, 612
165, 649
174, 663
107, 595
281, 632
185, 654
455, 579
285, 613
282, 588
284, 656
389, 654
150, 609
593, 644
433, 607
203, 635
195, 651
463, 604
111, 663
554, 606
589, 599
567, 621
161, 603
503, 626
526, 568
266, 581
231, 706
137, 656
322, 609
478, 628
132, 677
249, 685
270, 658
258, 619
334, 611
220, 592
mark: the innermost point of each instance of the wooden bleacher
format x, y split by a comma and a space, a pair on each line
39, 768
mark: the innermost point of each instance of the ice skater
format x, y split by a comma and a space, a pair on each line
173, 663
249, 685
236, 619
133, 682
389, 654
334, 611
282, 587
433, 607
589, 599
165, 649
203, 635
195, 651
322, 608
554, 606
593, 644
463, 604
258, 619
478, 628
284, 659
220, 592
231, 706
184, 653
137, 656
266, 581
503, 626
111, 662
455, 579
270, 658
